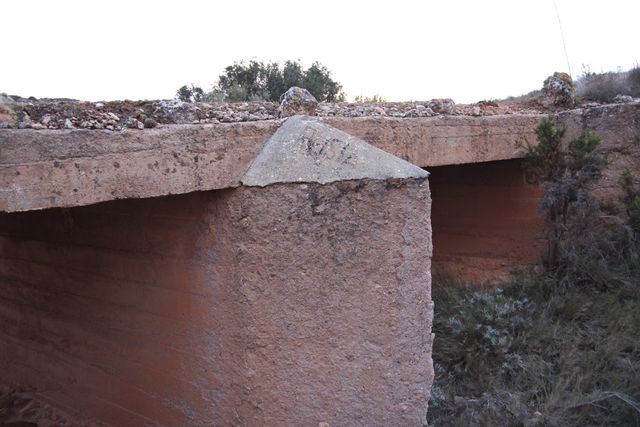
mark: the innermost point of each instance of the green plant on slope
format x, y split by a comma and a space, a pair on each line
585, 244
562, 348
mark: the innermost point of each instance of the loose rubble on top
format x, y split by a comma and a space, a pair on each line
31, 113
21, 113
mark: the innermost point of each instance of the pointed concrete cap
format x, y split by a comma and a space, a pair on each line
305, 150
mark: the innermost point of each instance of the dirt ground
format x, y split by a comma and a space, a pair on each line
23, 408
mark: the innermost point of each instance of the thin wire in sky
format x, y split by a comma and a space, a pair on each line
564, 45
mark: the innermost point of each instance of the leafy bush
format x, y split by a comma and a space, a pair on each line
562, 348
259, 81
585, 244
237, 93
190, 93
633, 77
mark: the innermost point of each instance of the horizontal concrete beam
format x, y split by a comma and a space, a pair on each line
445, 140
63, 168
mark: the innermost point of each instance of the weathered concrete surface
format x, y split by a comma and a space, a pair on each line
305, 150
285, 305
619, 127
43, 169
334, 285
485, 221
445, 140
121, 311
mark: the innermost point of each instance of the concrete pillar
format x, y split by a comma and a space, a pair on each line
333, 287
332, 263
301, 297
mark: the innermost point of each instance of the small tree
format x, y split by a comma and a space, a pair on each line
184, 94
318, 81
191, 93
585, 245
259, 81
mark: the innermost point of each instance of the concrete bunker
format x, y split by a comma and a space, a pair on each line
301, 297
107, 304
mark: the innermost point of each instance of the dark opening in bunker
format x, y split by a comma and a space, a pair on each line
485, 220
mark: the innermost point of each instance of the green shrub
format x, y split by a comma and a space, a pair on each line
586, 245
544, 161
268, 81
561, 348
191, 93
631, 200
237, 93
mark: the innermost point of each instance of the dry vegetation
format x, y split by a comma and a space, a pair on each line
561, 348
604, 87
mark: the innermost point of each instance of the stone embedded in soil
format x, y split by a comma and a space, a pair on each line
558, 91
297, 101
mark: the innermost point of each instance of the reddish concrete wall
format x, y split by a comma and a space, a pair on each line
284, 305
336, 283
485, 220
118, 310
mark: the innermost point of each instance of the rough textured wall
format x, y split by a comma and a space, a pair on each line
335, 281
445, 140
119, 310
485, 219
64, 168
74, 168
284, 305
619, 128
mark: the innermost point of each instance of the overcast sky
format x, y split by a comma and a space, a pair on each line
400, 49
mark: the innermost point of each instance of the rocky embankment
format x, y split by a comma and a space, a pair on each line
30, 113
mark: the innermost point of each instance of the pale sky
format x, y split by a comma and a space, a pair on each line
403, 50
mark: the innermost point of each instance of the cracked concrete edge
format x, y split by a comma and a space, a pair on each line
307, 150
41, 169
